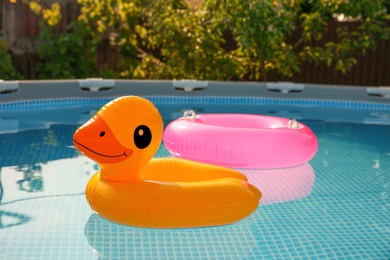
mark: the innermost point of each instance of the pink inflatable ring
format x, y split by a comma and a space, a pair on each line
240, 140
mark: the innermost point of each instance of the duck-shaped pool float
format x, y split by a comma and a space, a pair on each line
133, 189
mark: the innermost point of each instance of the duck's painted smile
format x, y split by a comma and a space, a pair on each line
104, 155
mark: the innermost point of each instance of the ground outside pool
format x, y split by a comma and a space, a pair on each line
336, 206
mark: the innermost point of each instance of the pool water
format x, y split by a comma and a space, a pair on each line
336, 206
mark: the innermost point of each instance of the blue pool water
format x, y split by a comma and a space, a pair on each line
335, 207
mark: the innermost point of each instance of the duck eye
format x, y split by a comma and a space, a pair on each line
142, 136
102, 133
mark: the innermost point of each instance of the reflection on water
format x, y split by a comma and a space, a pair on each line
34, 185
55, 178
1, 188
109, 240
112, 241
282, 185
36, 163
382, 118
10, 219
32, 180
35, 157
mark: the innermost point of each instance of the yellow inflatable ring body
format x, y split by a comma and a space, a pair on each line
133, 189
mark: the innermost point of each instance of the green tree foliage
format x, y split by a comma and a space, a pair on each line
372, 23
212, 39
7, 70
66, 55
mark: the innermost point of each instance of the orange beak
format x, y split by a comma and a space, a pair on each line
95, 140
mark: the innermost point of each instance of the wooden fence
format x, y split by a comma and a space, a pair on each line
20, 28
373, 69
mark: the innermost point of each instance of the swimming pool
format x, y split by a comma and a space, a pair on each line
336, 206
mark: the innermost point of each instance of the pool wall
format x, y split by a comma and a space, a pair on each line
95, 88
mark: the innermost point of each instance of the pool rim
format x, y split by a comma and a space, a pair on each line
54, 89
65, 93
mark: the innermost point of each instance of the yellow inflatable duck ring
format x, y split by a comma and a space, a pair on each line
133, 189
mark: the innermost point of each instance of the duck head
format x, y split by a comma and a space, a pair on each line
121, 137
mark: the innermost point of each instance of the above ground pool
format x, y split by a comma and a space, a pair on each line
336, 206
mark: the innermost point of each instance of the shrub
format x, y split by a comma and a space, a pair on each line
66, 55
175, 39
7, 70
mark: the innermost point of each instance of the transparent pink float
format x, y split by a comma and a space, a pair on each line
241, 140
